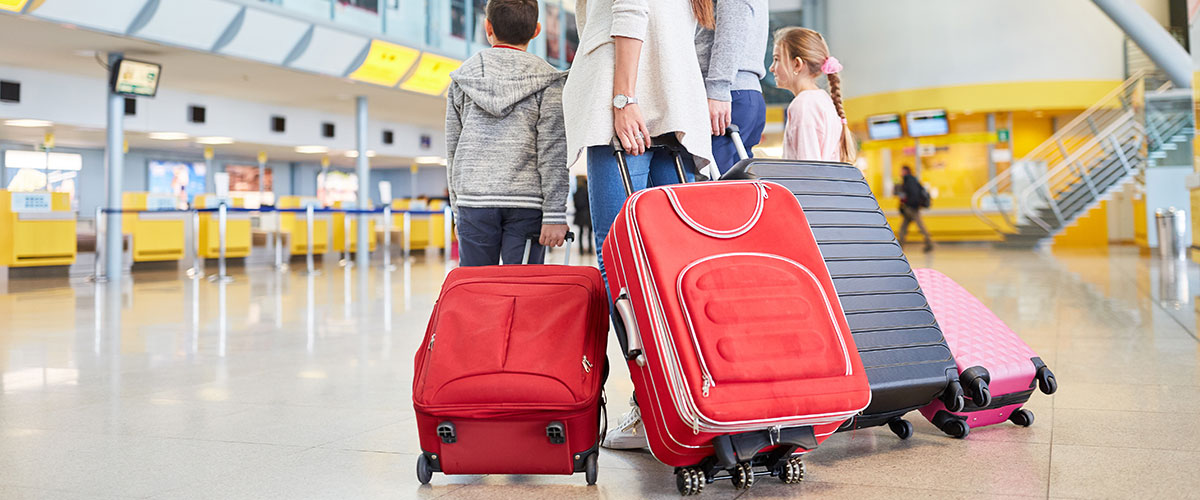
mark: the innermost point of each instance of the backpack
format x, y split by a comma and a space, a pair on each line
924, 200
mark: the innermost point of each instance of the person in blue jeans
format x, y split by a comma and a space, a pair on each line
731, 58
604, 97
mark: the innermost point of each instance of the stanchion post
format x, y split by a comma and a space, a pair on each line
279, 265
97, 255
387, 238
308, 235
407, 235
222, 225
346, 255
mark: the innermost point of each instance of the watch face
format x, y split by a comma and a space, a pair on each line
620, 101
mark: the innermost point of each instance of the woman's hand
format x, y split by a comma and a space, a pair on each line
720, 115
631, 129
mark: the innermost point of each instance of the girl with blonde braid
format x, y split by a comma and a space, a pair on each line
816, 122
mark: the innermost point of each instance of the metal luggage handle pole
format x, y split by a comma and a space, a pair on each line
736, 134
624, 308
569, 238
627, 179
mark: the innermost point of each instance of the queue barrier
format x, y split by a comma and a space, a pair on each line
223, 214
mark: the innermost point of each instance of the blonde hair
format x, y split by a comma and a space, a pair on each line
810, 47
703, 10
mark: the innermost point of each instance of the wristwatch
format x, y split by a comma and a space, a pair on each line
622, 100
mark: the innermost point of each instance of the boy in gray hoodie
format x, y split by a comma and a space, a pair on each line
506, 144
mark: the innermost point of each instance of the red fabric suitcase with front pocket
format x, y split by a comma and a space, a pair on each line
509, 377
738, 347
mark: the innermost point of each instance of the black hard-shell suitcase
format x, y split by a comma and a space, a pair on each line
905, 355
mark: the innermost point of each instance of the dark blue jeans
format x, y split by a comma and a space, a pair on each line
485, 235
750, 115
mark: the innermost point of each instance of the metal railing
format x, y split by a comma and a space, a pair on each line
1073, 158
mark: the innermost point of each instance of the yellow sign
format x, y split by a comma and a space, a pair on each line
208, 153
125, 146
324, 162
432, 75
942, 140
262, 156
49, 140
386, 64
13, 5
414, 168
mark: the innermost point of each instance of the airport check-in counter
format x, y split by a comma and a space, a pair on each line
295, 226
237, 228
428, 230
339, 229
36, 229
158, 233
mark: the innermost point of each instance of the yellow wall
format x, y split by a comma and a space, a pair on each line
1045, 95
1089, 231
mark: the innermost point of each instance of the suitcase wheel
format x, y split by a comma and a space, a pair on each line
956, 428
902, 428
742, 476
792, 471
1021, 417
980, 394
1046, 382
591, 469
424, 474
953, 398
690, 480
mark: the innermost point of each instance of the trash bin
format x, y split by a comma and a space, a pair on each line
1172, 233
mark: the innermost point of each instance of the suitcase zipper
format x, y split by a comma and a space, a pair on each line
432, 337
587, 365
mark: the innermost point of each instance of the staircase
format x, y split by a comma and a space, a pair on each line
1086, 160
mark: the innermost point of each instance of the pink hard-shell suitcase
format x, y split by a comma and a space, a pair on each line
991, 359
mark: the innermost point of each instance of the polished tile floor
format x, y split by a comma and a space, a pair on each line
294, 386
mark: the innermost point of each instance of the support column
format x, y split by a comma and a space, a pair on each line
363, 166
1159, 45
116, 168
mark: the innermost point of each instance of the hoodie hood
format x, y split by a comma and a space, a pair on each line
497, 79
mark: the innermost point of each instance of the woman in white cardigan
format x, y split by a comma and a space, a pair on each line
635, 76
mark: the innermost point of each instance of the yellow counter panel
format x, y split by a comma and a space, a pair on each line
295, 225
36, 229
237, 230
157, 237
339, 231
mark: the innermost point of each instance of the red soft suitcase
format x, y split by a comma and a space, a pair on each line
987, 351
744, 356
509, 377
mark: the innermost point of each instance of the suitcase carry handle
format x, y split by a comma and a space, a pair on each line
667, 141
633, 349
738, 172
529, 246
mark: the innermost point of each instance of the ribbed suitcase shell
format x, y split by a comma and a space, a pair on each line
905, 355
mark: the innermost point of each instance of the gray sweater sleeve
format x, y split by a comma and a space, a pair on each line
552, 156
453, 131
735, 18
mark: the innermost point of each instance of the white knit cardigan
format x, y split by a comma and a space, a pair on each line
670, 88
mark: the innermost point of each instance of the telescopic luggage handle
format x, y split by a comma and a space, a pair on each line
738, 172
735, 133
667, 141
529, 247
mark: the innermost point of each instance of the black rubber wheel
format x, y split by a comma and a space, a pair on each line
689, 481
792, 471
743, 476
903, 429
1021, 417
591, 469
1046, 382
957, 428
981, 395
423, 472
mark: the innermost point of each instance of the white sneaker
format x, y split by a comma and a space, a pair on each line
628, 435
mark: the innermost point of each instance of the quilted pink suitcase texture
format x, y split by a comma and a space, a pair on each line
997, 369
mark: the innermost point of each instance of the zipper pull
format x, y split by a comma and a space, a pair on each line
696, 426
587, 365
431, 339
708, 383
